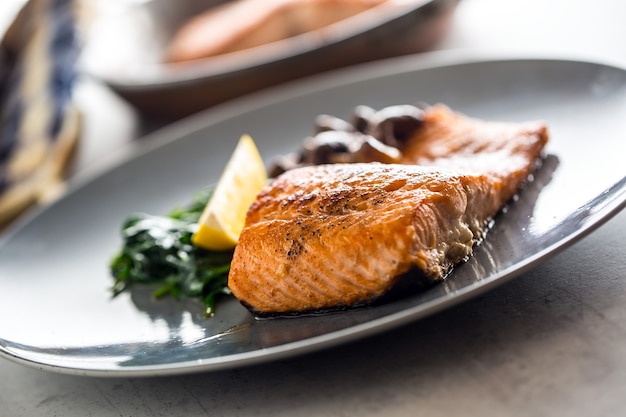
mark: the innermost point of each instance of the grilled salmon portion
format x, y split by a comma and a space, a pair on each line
339, 235
508, 152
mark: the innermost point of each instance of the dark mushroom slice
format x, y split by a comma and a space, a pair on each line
394, 125
284, 163
370, 136
361, 116
331, 147
334, 147
373, 150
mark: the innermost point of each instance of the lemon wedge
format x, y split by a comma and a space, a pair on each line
224, 216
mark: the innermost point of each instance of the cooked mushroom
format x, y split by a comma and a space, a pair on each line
361, 116
393, 125
330, 147
373, 150
371, 136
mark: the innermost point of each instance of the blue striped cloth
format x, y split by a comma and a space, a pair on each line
38, 123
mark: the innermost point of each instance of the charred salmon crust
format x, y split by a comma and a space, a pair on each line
334, 236
340, 235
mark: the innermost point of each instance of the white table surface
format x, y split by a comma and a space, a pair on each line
550, 343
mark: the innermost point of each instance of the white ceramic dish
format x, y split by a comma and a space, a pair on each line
58, 315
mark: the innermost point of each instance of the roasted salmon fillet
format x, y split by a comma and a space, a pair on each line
339, 235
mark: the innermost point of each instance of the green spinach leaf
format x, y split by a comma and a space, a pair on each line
158, 250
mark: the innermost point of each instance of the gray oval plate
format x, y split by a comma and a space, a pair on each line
57, 313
